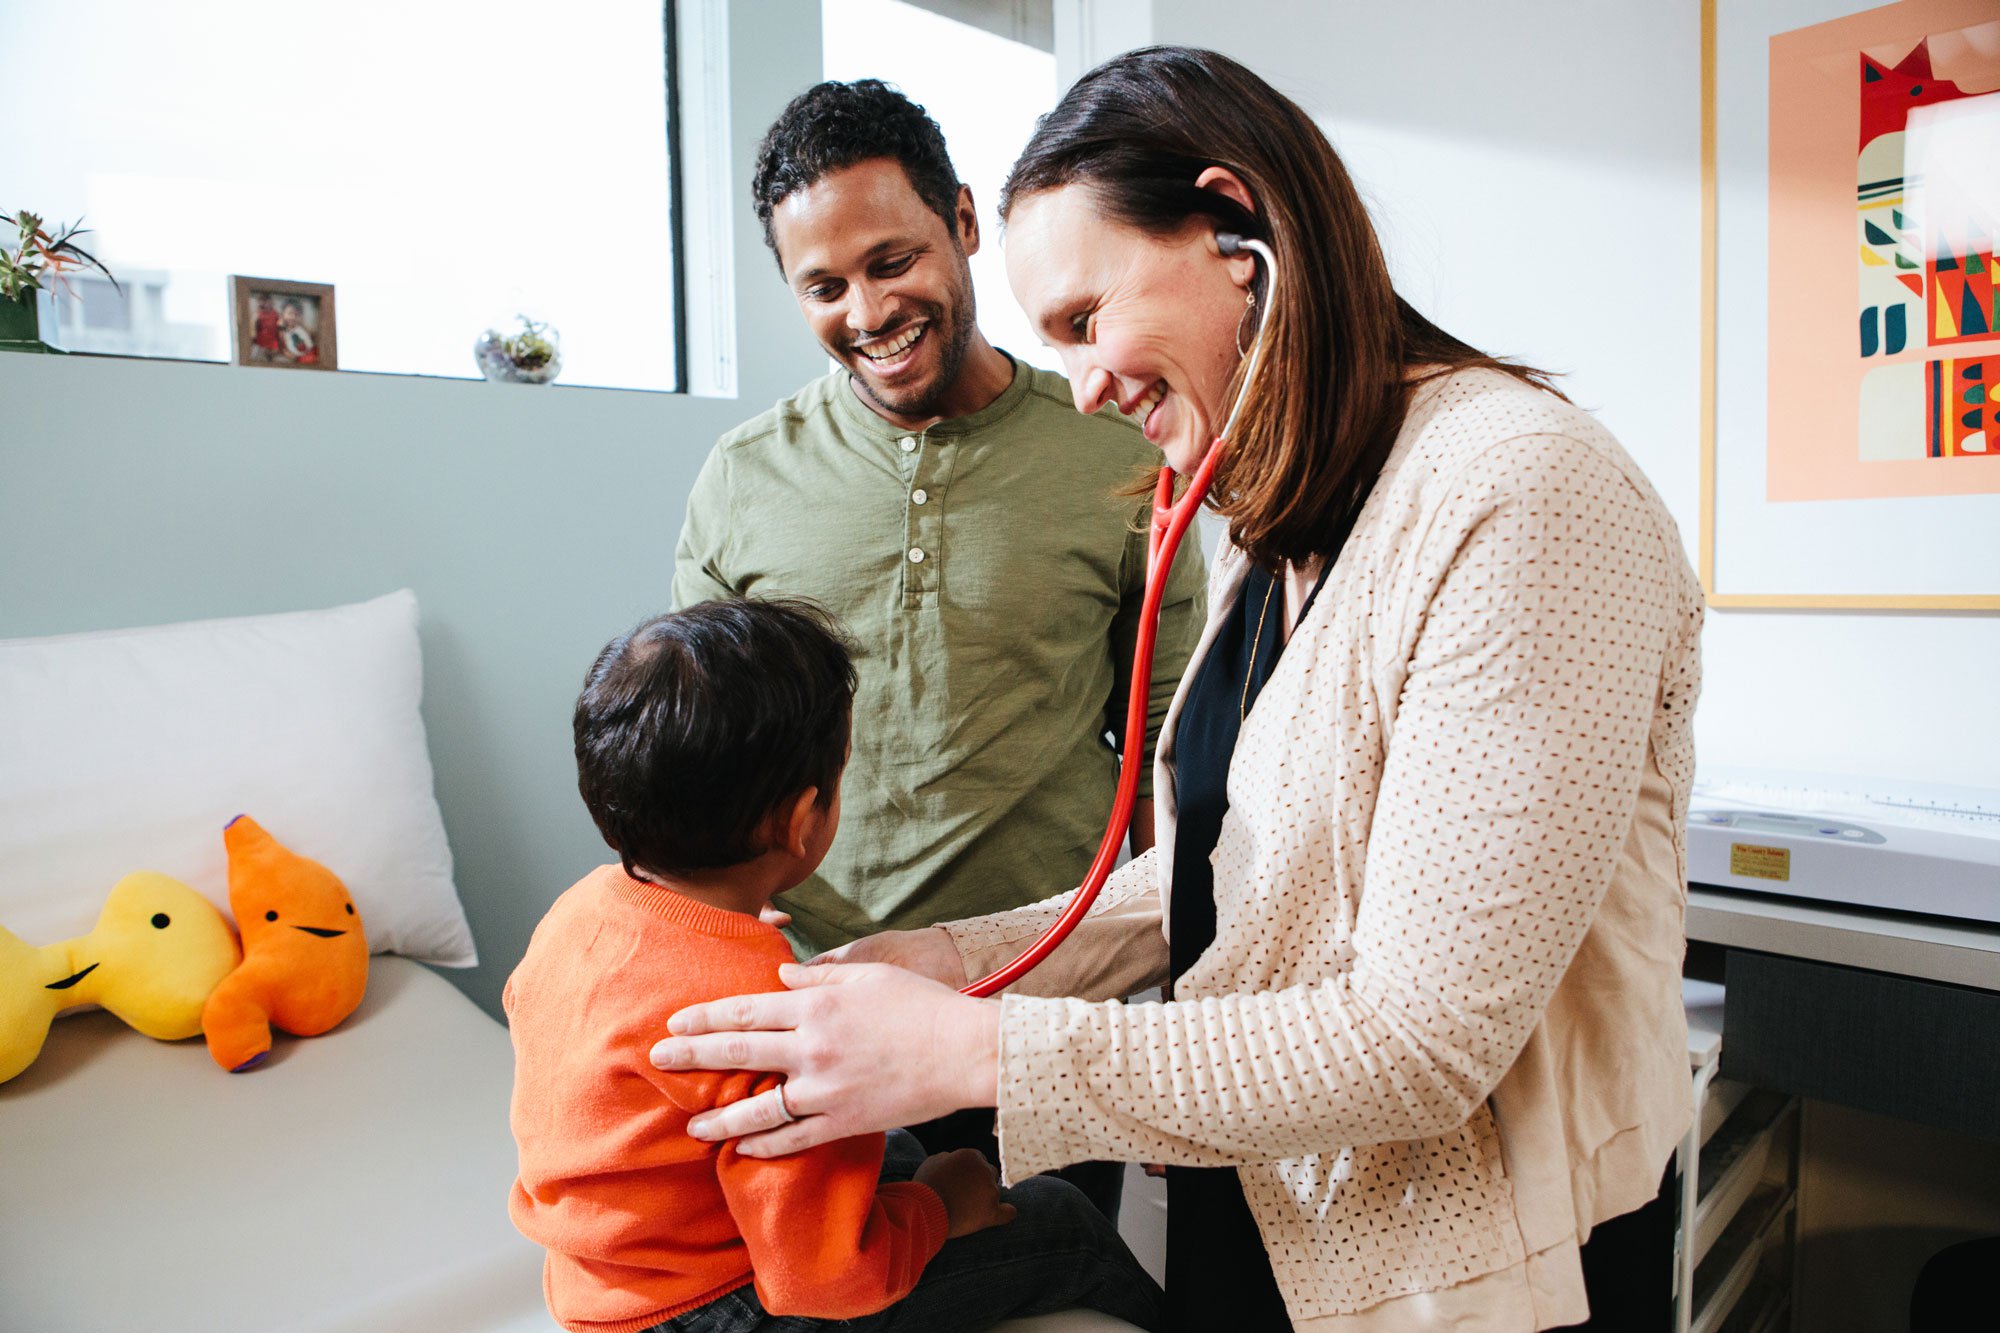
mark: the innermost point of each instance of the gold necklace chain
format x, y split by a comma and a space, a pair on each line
1250, 673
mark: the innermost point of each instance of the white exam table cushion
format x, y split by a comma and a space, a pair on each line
356, 1183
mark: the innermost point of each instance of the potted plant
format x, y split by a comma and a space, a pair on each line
532, 356
39, 260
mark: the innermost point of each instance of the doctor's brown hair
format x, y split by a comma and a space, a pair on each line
1340, 343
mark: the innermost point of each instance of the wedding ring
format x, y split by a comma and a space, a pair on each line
783, 1109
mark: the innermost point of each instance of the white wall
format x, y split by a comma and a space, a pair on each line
1535, 173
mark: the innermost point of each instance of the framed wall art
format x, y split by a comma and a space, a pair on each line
1851, 317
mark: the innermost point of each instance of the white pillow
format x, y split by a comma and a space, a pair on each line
130, 749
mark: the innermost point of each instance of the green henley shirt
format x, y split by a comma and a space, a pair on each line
990, 574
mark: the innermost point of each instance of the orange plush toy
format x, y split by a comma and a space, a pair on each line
305, 958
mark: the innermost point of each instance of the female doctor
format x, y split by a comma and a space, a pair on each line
1418, 887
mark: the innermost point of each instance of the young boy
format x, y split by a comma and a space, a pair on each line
709, 748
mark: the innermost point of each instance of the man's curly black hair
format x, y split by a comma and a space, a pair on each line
834, 125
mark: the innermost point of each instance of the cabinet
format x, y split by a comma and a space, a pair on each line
1737, 1238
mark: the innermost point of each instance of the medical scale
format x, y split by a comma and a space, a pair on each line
1879, 844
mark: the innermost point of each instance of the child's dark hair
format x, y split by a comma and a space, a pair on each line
695, 726
834, 125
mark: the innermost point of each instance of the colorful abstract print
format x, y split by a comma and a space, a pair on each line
1892, 250
1927, 248
1958, 416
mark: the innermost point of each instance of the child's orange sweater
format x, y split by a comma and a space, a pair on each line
642, 1222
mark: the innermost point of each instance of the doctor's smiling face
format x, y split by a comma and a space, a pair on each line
884, 285
1147, 322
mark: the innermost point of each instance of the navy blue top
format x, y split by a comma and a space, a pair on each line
1218, 1274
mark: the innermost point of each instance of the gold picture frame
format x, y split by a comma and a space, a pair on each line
1736, 597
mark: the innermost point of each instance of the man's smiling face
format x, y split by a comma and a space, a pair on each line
883, 283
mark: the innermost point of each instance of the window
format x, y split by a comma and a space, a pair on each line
984, 85
445, 164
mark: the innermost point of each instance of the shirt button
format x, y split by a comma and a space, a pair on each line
920, 496
909, 444
916, 555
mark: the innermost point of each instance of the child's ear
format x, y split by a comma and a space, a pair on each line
799, 822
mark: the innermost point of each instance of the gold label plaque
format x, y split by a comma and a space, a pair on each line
1754, 862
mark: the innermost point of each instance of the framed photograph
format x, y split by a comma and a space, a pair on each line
274, 322
1851, 328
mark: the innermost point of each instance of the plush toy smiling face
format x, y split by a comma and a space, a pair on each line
155, 954
283, 900
305, 957
276, 920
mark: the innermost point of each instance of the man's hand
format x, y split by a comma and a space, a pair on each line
970, 1188
928, 953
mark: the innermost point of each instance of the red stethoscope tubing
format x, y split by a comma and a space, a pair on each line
1170, 523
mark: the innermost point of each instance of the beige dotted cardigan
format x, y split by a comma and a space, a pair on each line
1439, 1031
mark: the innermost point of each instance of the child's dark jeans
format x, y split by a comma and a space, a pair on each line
1057, 1254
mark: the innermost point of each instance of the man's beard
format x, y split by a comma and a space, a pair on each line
923, 401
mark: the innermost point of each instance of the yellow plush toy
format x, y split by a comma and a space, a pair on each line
157, 951
305, 956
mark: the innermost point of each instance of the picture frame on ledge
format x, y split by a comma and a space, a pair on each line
282, 323
1850, 315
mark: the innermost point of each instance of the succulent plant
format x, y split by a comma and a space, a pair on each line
43, 259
